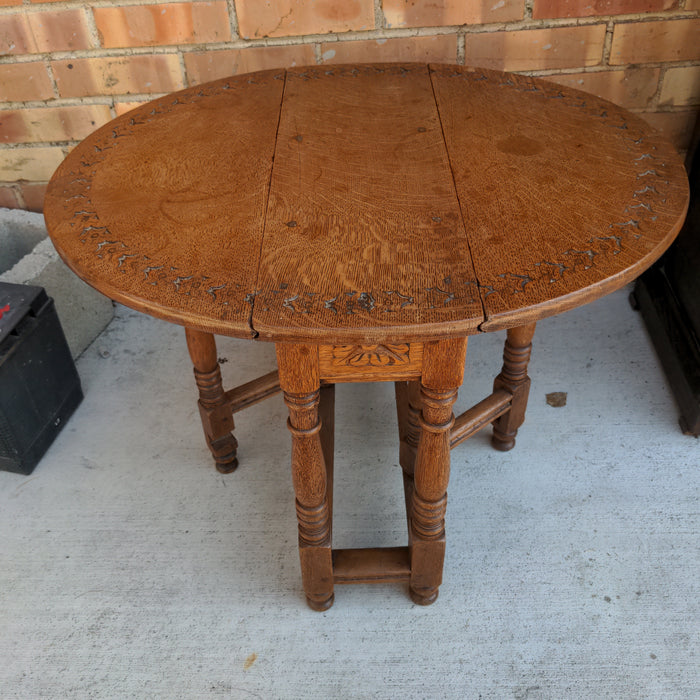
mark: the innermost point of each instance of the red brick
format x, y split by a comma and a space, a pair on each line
15, 35
298, 17
439, 13
211, 65
33, 164
426, 48
51, 123
33, 194
633, 88
163, 24
21, 82
38, 32
589, 8
681, 86
677, 127
8, 197
537, 49
124, 107
118, 76
647, 42
60, 30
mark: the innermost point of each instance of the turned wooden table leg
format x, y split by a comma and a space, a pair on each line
299, 379
326, 412
408, 411
513, 378
215, 410
443, 370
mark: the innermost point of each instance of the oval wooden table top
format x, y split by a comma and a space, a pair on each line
366, 203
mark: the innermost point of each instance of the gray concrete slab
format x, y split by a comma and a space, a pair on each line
27, 256
20, 231
129, 568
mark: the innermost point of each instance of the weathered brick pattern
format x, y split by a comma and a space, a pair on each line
120, 75
592, 8
41, 32
25, 82
31, 164
681, 87
163, 25
647, 42
440, 48
210, 65
51, 123
8, 197
635, 87
68, 66
439, 13
538, 49
32, 195
298, 17
676, 126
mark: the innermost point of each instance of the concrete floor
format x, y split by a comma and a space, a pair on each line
129, 568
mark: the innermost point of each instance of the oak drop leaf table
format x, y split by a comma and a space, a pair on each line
367, 219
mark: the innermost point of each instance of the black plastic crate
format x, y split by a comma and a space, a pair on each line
39, 385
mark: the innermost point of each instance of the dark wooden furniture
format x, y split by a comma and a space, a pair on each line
367, 219
668, 296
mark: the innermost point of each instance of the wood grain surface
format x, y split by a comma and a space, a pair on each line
383, 203
565, 196
163, 208
363, 224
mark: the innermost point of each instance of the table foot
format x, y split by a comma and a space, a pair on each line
513, 378
224, 452
501, 441
424, 597
319, 605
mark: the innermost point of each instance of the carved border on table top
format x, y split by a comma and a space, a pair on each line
640, 211
91, 231
355, 71
449, 291
646, 202
140, 266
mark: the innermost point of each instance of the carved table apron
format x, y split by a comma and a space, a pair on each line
367, 219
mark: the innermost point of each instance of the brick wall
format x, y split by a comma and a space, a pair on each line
67, 67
